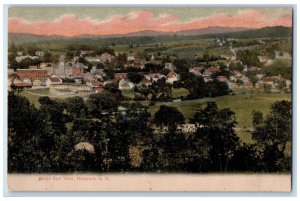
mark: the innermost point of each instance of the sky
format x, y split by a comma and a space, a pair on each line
75, 21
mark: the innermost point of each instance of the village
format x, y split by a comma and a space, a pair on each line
77, 79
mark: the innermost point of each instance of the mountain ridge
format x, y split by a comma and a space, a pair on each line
215, 31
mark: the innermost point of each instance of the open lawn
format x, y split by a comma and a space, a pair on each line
40, 91
176, 93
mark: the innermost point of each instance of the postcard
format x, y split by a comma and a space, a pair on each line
154, 98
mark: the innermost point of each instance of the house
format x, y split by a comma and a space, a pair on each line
244, 78
53, 80
99, 89
197, 70
172, 77
145, 82
213, 69
155, 76
207, 79
39, 53
77, 69
233, 78
38, 76
259, 76
120, 76
20, 53
85, 52
125, 84
109, 82
78, 79
130, 58
138, 61
248, 84
95, 59
27, 80
169, 66
94, 84
36, 82
222, 78
105, 57
253, 69
270, 80
22, 85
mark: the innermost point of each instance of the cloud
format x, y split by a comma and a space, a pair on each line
70, 25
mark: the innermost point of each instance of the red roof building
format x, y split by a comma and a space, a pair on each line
32, 74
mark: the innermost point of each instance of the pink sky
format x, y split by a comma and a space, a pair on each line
70, 25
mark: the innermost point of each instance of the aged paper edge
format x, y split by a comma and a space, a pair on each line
151, 182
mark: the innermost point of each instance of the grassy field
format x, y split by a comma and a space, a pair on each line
242, 105
176, 93
34, 99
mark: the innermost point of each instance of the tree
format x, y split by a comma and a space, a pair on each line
47, 57
195, 86
54, 130
253, 78
69, 55
135, 77
12, 61
281, 67
216, 88
274, 134
249, 57
113, 89
31, 49
168, 116
25, 134
160, 90
267, 88
246, 157
182, 66
282, 86
76, 106
12, 49
97, 104
216, 135
257, 118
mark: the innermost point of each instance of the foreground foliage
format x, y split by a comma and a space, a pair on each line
105, 137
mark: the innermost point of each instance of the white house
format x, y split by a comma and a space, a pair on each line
53, 80
172, 77
125, 84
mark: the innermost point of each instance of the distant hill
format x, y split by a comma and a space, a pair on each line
191, 32
210, 32
266, 32
19, 38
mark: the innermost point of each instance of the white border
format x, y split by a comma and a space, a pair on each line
164, 2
